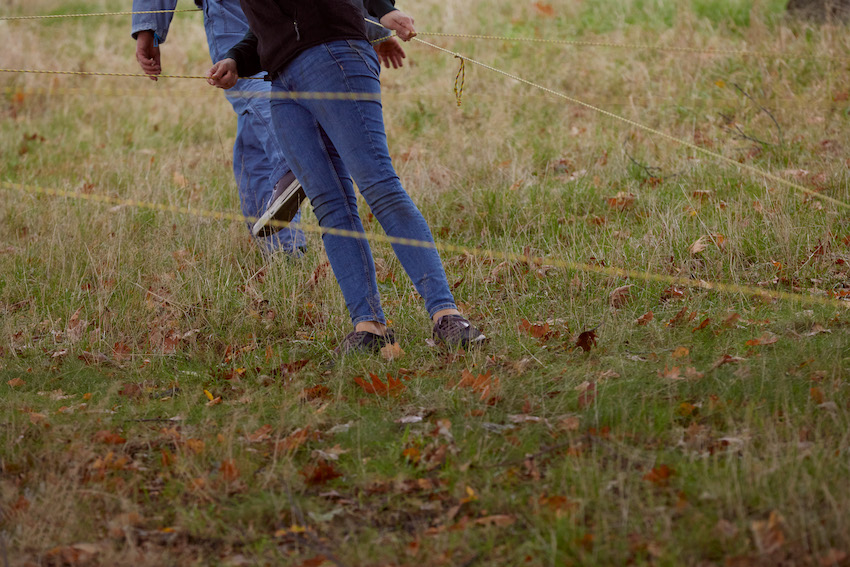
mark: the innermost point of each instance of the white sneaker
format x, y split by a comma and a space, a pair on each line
282, 207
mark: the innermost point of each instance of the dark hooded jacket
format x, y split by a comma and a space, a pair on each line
281, 29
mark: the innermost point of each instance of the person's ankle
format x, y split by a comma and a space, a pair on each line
442, 313
371, 327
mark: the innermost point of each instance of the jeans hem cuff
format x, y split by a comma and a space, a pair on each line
381, 319
431, 312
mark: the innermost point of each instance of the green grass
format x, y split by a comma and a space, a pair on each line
716, 433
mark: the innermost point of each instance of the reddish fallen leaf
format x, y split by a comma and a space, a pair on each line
645, 318
109, 438
682, 316
765, 339
816, 394
681, 352
670, 373
587, 340
393, 387
261, 434
229, 471
15, 382
320, 473
832, 558
130, 390
540, 331
769, 534
544, 9
702, 325
660, 475
316, 561
672, 292
319, 274
727, 359
731, 320
294, 440
485, 384
316, 392
288, 369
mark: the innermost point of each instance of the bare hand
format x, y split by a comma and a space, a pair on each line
400, 23
223, 74
147, 54
390, 52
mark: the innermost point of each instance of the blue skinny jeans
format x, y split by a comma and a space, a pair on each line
329, 143
258, 159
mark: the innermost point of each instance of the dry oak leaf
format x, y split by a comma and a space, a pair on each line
681, 352
621, 201
108, 437
392, 351
727, 359
229, 471
645, 318
294, 440
320, 473
769, 534
587, 340
486, 384
660, 475
702, 325
699, 245
767, 338
393, 387
15, 382
261, 434
540, 331
620, 296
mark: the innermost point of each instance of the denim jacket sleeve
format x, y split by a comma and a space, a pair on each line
157, 23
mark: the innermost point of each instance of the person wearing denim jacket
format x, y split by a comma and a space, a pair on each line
258, 160
322, 46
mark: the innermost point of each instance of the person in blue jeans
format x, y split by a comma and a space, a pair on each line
321, 46
259, 164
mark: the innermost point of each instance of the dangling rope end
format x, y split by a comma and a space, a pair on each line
459, 80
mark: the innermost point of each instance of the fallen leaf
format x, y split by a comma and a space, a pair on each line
393, 387
316, 392
767, 338
645, 318
392, 351
769, 534
587, 340
660, 475
698, 246
320, 473
229, 471
727, 359
620, 296
702, 325
486, 384
681, 352
109, 438
15, 382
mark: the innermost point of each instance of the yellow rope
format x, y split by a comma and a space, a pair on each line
631, 46
749, 291
744, 166
53, 16
13, 91
102, 74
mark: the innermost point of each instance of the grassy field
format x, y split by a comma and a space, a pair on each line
170, 396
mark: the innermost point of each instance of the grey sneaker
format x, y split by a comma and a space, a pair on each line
364, 341
456, 331
283, 205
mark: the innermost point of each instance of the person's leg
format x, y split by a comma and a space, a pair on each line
357, 131
328, 185
258, 161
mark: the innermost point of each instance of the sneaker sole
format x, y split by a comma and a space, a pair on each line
283, 209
